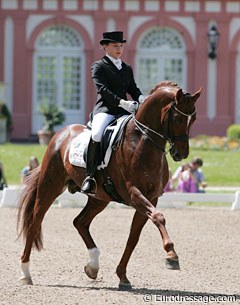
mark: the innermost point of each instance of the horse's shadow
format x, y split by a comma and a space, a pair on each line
154, 292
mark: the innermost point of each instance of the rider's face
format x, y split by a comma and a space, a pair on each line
114, 49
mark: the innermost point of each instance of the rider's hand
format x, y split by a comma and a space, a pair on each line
129, 106
142, 98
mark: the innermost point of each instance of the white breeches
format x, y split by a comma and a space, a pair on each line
99, 123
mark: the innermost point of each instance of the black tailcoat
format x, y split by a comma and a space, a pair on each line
112, 86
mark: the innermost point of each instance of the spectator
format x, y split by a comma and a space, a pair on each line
187, 181
33, 163
169, 186
177, 176
197, 173
190, 177
3, 181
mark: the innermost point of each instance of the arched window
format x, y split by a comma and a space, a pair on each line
59, 73
59, 36
160, 56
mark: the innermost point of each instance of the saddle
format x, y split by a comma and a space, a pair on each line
111, 139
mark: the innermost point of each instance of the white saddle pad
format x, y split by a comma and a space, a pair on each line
79, 144
77, 148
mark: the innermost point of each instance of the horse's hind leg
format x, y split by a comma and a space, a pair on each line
42, 202
135, 231
82, 223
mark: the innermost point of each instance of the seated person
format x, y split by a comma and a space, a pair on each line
177, 176
169, 187
33, 163
3, 181
190, 177
197, 173
187, 181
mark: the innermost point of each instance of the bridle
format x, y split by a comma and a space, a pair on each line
169, 136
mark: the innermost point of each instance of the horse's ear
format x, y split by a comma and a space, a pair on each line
196, 95
179, 95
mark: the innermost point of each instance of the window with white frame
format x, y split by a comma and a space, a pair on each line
59, 73
160, 56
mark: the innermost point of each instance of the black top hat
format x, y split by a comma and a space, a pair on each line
112, 37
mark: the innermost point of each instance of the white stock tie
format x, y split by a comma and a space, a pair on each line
118, 63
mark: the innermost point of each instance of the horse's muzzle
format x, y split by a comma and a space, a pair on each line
176, 155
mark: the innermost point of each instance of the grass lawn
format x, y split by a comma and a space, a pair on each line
15, 156
221, 168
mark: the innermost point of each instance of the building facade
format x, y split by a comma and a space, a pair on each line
47, 48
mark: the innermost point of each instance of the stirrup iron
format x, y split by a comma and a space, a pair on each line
89, 185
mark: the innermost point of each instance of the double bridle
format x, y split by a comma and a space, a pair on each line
169, 137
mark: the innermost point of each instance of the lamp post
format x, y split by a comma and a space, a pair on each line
213, 36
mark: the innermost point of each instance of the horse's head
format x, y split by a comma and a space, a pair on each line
167, 115
177, 118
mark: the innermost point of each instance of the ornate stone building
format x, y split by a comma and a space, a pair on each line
47, 47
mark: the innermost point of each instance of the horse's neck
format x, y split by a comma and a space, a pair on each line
150, 117
143, 130
138, 153
150, 111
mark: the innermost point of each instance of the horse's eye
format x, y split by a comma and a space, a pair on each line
178, 120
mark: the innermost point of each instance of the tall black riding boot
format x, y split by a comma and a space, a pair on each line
89, 185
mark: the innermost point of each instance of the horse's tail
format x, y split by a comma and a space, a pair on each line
26, 207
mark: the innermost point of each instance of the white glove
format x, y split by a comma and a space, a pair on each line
142, 98
129, 106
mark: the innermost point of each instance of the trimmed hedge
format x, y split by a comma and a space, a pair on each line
233, 132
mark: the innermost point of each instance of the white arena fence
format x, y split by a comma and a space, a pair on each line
9, 198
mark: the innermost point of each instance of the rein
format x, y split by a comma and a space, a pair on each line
144, 130
170, 139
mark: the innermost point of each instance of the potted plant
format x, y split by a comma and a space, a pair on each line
52, 116
5, 122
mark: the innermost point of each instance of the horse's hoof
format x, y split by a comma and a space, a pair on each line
91, 272
172, 263
124, 286
25, 281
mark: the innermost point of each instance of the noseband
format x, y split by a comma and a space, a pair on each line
169, 137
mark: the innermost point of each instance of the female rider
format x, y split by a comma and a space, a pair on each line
113, 79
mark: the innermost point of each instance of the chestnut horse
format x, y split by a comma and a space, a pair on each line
138, 170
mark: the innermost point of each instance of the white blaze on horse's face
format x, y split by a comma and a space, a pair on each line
188, 120
179, 96
183, 110
189, 116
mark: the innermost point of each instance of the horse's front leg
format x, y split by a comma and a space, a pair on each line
138, 223
146, 208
